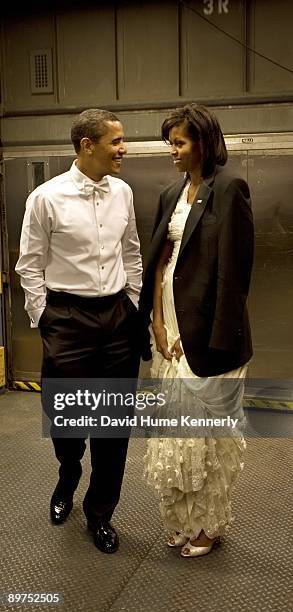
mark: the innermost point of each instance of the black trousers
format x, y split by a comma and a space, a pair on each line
90, 338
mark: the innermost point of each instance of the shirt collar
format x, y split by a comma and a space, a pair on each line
86, 184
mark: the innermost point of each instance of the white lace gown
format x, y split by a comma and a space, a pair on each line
194, 476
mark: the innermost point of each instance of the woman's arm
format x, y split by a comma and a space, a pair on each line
158, 318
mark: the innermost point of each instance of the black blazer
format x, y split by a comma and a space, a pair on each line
212, 274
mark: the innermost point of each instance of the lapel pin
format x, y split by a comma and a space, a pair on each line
199, 201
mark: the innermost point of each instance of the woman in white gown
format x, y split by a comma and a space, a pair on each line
196, 284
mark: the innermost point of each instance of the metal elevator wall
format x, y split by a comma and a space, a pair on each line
269, 175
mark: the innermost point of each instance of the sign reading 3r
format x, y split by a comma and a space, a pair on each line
212, 6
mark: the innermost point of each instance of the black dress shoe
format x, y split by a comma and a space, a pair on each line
105, 537
60, 509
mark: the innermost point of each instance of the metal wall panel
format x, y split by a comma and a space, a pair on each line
271, 296
212, 63
26, 347
86, 57
271, 35
147, 176
129, 52
22, 35
41, 132
147, 51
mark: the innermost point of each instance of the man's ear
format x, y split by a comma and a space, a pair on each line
86, 146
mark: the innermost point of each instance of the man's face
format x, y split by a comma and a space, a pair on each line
105, 156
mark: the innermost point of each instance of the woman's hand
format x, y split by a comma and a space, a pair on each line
176, 349
160, 334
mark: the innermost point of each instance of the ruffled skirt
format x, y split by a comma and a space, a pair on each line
194, 477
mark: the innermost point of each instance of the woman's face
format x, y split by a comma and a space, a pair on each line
185, 152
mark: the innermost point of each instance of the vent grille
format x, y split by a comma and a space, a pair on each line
41, 71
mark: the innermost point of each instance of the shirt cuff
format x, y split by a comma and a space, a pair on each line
35, 316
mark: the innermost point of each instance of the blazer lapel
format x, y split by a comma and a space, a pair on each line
170, 204
197, 208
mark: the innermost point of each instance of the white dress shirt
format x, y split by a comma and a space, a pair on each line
78, 236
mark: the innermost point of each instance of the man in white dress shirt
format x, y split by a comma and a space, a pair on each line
80, 268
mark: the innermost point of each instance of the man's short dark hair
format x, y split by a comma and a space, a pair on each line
202, 126
90, 124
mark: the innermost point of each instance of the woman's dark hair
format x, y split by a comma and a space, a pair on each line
202, 126
90, 124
